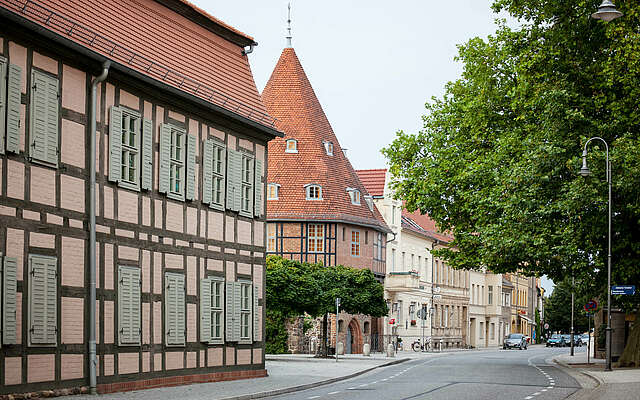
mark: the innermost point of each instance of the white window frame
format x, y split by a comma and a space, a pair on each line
315, 238
246, 312
271, 238
127, 148
313, 189
293, 148
328, 147
273, 190
355, 243
217, 176
490, 295
354, 195
177, 164
217, 292
246, 204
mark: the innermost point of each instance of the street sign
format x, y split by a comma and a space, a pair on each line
392, 321
624, 289
591, 305
437, 297
422, 313
546, 326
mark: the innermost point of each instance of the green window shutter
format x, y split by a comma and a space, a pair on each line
234, 171
147, 154
191, 167
129, 324
256, 324
237, 299
52, 93
44, 118
42, 300
174, 309
115, 143
205, 310
165, 154
229, 312
223, 160
9, 283
207, 171
14, 89
258, 189
3, 102
251, 192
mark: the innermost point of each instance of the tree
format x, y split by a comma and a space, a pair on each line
497, 160
558, 309
295, 288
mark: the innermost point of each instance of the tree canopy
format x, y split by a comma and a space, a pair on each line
294, 288
497, 160
557, 311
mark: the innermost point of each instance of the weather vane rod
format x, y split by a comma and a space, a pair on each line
289, 26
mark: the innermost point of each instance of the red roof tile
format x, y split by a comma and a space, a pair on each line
154, 40
373, 180
290, 98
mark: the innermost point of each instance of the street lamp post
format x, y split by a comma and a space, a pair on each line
606, 12
584, 171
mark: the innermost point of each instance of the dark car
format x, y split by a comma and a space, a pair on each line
515, 341
567, 340
556, 340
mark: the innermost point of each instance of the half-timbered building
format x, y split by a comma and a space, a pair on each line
317, 209
181, 137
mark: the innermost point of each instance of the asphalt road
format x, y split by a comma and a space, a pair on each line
477, 375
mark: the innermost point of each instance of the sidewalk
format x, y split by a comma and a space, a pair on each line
619, 384
287, 373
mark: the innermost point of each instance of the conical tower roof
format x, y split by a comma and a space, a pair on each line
289, 97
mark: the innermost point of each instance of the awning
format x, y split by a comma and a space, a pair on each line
526, 319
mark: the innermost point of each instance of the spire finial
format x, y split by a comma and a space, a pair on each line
289, 25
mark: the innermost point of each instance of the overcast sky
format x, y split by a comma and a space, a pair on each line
373, 64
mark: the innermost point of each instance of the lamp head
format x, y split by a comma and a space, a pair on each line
607, 11
585, 171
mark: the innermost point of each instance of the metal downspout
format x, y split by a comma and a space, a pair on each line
92, 230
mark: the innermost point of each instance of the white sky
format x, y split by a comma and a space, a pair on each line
373, 64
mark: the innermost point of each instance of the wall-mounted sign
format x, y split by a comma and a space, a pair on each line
624, 289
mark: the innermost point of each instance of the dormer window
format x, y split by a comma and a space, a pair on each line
314, 192
328, 146
354, 194
273, 190
292, 146
369, 200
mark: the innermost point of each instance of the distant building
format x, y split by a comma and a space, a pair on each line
181, 138
318, 211
416, 280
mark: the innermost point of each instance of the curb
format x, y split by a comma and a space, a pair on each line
313, 384
584, 393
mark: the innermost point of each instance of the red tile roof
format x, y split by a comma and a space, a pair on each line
373, 180
157, 41
422, 224
290, 98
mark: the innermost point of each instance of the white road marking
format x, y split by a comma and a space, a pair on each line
334, 392
543, 390
353, 388
384, 380
536, 393
528, 397
313, 397
364, 384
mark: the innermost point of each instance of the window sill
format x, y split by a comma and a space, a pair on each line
129, 185
247, 214
291, 151
215, 206
175, 196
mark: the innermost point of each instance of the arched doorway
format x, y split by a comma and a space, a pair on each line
354, 338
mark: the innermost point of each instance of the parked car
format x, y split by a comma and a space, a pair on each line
567, 340
515, 341
556, 340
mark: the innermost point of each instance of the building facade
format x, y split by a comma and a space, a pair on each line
489, 309
524, 301
318, 211
179, 211
416, 280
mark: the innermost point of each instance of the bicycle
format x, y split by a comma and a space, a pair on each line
417, 346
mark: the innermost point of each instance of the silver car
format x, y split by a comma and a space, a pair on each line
515, 341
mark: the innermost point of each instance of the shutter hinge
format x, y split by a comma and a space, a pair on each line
35, 86
122, 331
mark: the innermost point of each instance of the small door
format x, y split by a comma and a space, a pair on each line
349, 341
